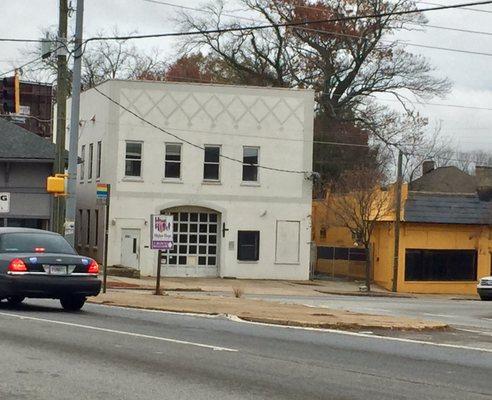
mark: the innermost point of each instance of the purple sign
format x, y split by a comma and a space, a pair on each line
161, 232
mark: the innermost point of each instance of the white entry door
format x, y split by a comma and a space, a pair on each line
130, 248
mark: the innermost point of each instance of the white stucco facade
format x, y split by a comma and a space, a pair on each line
274, 210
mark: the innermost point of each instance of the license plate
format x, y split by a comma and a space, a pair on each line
58, 270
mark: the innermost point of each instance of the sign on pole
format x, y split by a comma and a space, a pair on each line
161, 232
4, 202
102, 191
161, 238
103, 195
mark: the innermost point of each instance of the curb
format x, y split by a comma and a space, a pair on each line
336, 326
367, 294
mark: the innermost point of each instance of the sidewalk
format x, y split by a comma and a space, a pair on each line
178, 297
247, 286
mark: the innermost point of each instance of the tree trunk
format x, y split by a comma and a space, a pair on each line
368, 267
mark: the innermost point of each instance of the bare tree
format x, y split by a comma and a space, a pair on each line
358, 203
432, 146
346, 62
101, 60
468, 160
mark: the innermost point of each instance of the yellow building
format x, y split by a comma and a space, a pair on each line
445, 234
337, 254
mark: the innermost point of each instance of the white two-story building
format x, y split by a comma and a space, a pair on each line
230, 163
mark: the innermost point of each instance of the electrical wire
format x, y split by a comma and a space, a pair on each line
415, 103
287, 24
190, 142
462, 8
37, 59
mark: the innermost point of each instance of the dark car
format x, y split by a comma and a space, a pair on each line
41, 264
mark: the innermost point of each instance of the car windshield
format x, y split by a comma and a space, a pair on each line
34, 243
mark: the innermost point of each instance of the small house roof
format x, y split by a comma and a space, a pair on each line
19, 143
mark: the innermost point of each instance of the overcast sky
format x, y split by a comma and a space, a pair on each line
471, 74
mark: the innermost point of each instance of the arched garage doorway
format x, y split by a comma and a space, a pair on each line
196, 242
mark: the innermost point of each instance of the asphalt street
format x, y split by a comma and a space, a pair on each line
116, 353
469, 315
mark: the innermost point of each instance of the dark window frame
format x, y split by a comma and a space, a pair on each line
88, 232
168, 161
244, 248
251, 166
91, 161
441, 265
96, 228
82, 163
98, 159
211, 163
133, 157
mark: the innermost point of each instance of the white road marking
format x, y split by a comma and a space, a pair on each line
441, 315
365, 335
133, 334
235, 318
474, 331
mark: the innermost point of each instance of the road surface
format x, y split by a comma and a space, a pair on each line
116, 353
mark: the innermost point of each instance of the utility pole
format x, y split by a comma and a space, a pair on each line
74, 127
61, 111
399, 182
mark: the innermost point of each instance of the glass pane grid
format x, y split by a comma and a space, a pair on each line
195, 235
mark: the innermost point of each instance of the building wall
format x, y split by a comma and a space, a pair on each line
430, 236
26, 183
39, 98
279, 121
327, 233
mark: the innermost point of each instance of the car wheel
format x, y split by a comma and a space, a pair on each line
485, 298
72, 303
15, 300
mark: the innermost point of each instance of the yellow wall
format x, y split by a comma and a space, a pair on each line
430, 236
336, 235
342, 268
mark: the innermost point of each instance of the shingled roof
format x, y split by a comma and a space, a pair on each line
18, 143
445, 180
444, 208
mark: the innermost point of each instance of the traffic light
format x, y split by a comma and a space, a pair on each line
10, 95
56, 184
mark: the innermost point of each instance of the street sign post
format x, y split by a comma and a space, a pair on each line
161, 238
103, 195
4, 202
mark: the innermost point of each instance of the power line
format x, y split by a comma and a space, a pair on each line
20, 40
21, 66
281, 139
223, 30
197, 80
439, 104
462, 8
286, 24
191, 143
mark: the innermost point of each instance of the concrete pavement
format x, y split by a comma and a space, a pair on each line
261, 311
114, 353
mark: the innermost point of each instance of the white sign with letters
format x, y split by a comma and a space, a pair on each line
4, 202
161, 232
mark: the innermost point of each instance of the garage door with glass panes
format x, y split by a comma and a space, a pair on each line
196, 237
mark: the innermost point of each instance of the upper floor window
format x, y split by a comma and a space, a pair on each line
172, 167
250, 164
91, 159
133, 159
98, 159
211, 166
82, 163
